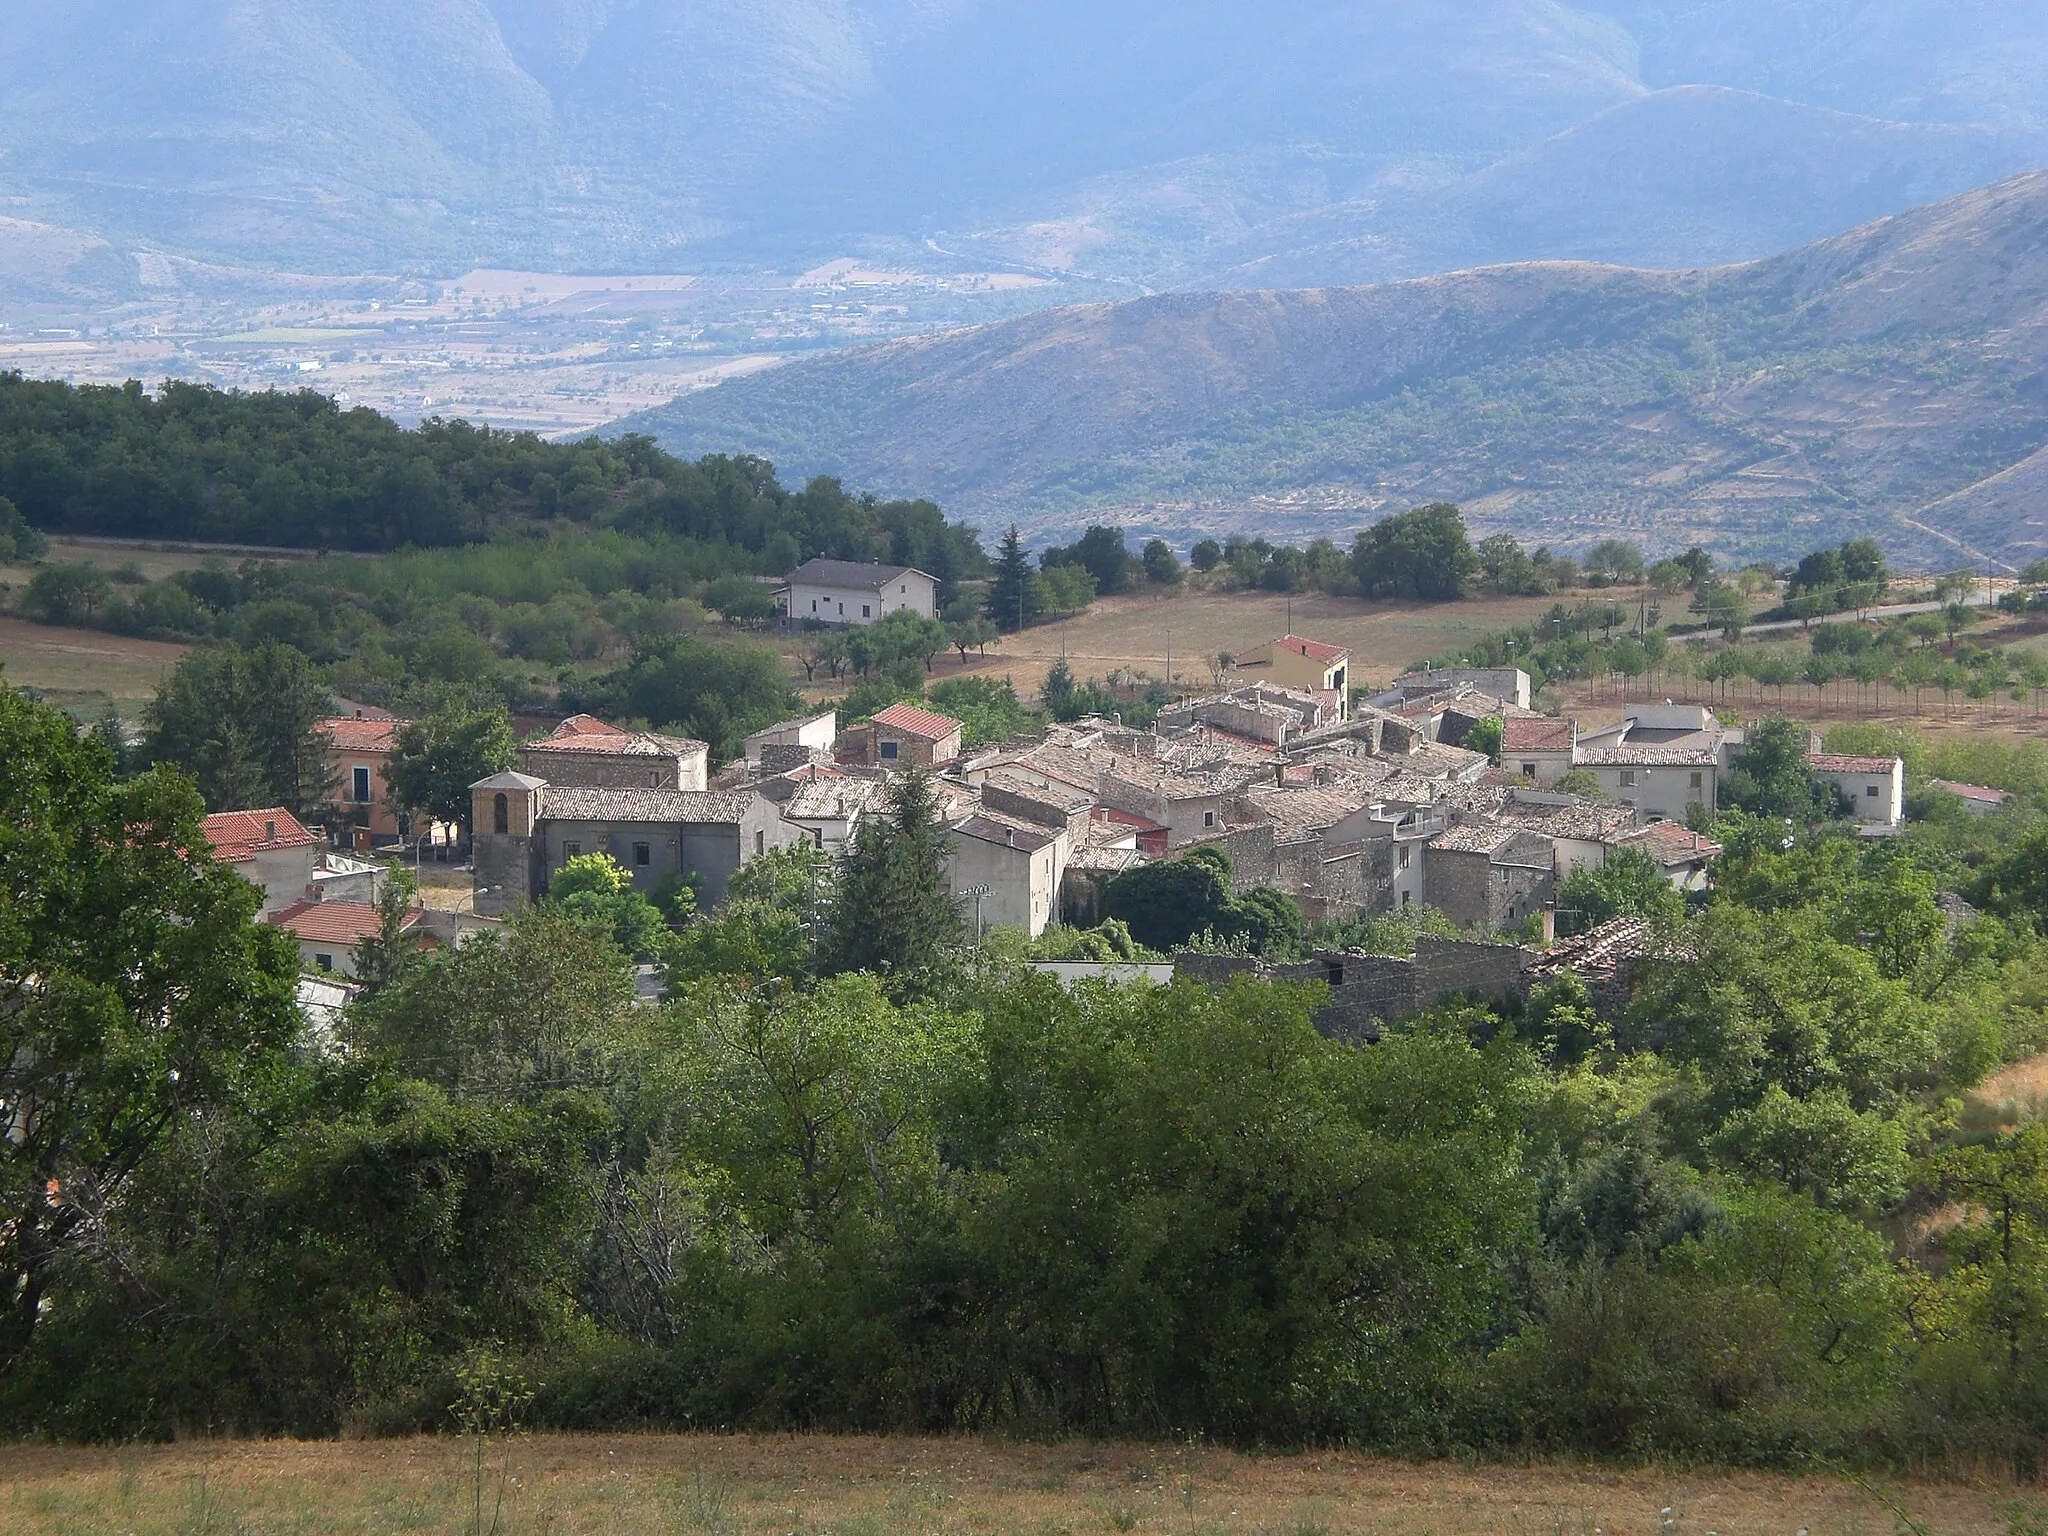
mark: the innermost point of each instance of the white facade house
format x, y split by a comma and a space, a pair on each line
849, 593
1662, 759
1874, 786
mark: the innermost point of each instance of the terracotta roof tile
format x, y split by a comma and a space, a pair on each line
238, 836
1839, 762
346, 923
1537, 735
353, 735
1670, 842
922, 723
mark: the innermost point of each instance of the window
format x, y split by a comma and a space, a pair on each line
890, 750
572, 851
760, 844
1628, 778
866, 611
1699, 781
325, 962
501, 815
814, 605
1870, 792
1208, 818
1404, 857
1407, 897
359, 785
643, 855
1528, 770
842, 610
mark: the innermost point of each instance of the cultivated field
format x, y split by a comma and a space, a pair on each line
81, 669
627, 1486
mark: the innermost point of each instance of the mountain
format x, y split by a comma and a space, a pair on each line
1211, 142
1880, 382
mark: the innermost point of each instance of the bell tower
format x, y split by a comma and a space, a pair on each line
505, 811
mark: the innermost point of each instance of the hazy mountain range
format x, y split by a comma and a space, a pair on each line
1210, 142
1891, 381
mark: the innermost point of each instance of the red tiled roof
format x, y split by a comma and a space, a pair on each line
1125, 819
1982, 793
238, 836
1315, 650
352, 735
1537, 735
1669, 841
346, 923
582, 730
1836, 762
921, 723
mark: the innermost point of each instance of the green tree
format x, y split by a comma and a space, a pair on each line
1162, 566
67, 594
1485, 736
971, 634
1167, 904
770, 925
435, 760
247, 726
142, 993
1616, 559
1771, 777
742, 599
1102, 553
1504, 566
1013, 596
1067, 588
894, 912
594, 889
1627, 883
20, 544
1420, 554
1206, 555
716, 692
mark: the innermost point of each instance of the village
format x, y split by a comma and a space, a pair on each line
1444, 791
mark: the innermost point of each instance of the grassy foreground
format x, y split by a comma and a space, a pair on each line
727, 1486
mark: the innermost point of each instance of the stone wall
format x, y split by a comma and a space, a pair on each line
504, 873
1367, 991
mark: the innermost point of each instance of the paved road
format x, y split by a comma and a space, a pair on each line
1983, 597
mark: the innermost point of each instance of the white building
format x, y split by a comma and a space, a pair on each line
269, 849
846, 592
1661, 759
1874, 786
810, 733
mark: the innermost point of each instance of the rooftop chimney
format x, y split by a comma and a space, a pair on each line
270, 831
1009, 837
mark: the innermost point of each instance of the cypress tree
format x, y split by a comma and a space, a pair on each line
1013, 594
895, 911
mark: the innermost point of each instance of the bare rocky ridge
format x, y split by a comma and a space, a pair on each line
1847, 387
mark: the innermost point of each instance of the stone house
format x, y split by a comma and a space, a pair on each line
903, 736
1308, 666
1537, 748
850, 593
527, 829
1682, 856
587, 753
1487, 877
1020, 864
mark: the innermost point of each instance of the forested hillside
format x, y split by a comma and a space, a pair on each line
1837, 391
299, 471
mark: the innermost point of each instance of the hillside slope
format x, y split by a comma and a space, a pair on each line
1843, 388
1338, 140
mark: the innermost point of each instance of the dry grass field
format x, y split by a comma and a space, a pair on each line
1135, 632
82, 669
798, 1485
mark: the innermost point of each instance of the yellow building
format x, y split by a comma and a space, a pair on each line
1306, 665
